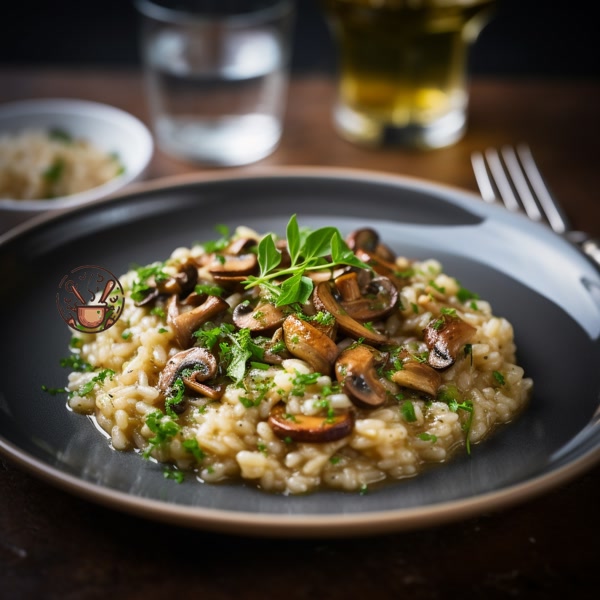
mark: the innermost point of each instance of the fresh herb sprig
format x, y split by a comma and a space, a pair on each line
314, 250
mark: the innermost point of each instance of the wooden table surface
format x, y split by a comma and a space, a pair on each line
54, 545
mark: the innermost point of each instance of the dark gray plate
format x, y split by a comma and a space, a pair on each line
542, 284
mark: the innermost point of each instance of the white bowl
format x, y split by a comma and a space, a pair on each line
106, 127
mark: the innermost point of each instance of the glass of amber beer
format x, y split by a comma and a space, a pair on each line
403, 68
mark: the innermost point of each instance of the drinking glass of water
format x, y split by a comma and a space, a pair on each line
217, 75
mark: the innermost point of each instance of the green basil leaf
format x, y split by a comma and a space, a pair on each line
318, 243
293, 239
268, 255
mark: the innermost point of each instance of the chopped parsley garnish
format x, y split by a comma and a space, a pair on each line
436, 287
76, 363
219, 244
463, 295
499, 377
86, 388
164, 430
60, 135
142, 285
75, 342
468, 350
249, 403
174, 474
428, 437
191, 446
159, 311
126, 334
210, 290
175, 396
301, 381
408, 411
54, 391
55, 171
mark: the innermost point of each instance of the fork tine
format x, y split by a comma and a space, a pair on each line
483, 179
503, 184
555, 216
520, 182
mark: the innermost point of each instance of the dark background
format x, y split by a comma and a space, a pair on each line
527, 37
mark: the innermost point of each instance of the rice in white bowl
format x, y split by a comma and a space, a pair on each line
37, 164
236, 435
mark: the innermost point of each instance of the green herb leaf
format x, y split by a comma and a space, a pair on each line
408, 411
499, 377
164, 430
55, 171
308, 251
76, 363
268, 255
293, 239
60, 135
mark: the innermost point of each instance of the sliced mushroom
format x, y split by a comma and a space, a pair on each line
445, 336
214, 392
418, 376
375, 301
323, 299
233, 265
310, 429
356, 371
310, 344
198, 364
238, 245
180, 284
200, 360
263, 318
187, 322
368, 239
275, 349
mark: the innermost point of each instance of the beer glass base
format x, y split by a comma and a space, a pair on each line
366, 130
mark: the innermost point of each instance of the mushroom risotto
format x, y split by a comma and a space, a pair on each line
299, 363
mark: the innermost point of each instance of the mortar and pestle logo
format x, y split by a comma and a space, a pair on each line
104, 304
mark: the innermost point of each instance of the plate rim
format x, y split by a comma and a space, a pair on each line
473, 200
301, 525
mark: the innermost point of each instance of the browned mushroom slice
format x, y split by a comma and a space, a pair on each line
233, 265
308, 343
194, 365
239, 245
418, 376
275, 349
187, 322
445, 336
356, 371
376, 301
323, 299
368, 239
180, 284
214, 392
310, 429
263, 318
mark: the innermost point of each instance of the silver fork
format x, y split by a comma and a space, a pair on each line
512, 177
